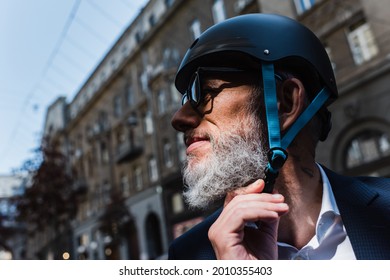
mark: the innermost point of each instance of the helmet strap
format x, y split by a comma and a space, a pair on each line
306, 116
277, 154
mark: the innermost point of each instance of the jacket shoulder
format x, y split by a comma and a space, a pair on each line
194, 244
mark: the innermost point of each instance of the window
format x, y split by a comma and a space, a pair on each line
153, 172
125, 49
89, 132
102, 122
138, 178
90, 91
125, 187
362, 43
71, 147
82, 211
167, 154
169, 3
148, 123
195, 29
171, 57
303, 5
138, 36
144, 79
177, 203
152, 20
367, 147
93, 157
89, 164
99, 198
83, 240
240, 5
117, 106
106, 192
104, 153
103, 76
114, 64
218, 10
176, 96
181, 147
129, 96
162, 102
121, 136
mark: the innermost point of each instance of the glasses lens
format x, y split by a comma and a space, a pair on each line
194, 90
184, 99
193, 93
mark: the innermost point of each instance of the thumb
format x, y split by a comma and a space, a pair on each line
255, 187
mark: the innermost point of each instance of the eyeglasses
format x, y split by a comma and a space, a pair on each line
194, 90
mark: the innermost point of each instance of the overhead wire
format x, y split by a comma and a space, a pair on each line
47, 80
46, 67
105, 14
92, 31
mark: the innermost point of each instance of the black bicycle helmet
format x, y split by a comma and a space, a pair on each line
266, 37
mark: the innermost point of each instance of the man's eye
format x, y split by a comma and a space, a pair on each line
208, 94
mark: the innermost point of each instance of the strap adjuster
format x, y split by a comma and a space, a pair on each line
276, 158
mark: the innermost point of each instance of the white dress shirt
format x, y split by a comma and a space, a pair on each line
331, 241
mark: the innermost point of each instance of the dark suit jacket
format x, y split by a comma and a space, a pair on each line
364, 204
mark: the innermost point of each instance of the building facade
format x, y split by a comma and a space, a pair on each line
122, 150
357, 42
12, 232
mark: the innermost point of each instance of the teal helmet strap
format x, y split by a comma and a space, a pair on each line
277, 154
271, 105
306, 116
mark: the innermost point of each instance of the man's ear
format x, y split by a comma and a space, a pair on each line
291, 99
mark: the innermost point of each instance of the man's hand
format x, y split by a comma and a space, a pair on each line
231, 235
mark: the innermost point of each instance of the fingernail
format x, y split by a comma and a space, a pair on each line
283, 206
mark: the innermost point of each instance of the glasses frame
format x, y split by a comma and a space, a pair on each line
194, 89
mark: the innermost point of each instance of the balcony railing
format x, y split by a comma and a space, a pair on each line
128, 151
80, 187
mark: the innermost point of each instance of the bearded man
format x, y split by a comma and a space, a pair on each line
255, 95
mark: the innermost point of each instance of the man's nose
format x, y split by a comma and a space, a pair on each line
185, 118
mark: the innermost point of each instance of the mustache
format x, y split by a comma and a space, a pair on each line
191, 134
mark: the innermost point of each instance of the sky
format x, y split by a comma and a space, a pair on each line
48, 49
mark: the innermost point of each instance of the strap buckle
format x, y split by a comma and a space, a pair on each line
276, 159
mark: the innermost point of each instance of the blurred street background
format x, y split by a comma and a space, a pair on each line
90, 166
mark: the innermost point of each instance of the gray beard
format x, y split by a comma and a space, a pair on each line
237, 159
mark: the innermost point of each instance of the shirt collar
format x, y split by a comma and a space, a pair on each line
328, 205
328, 199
